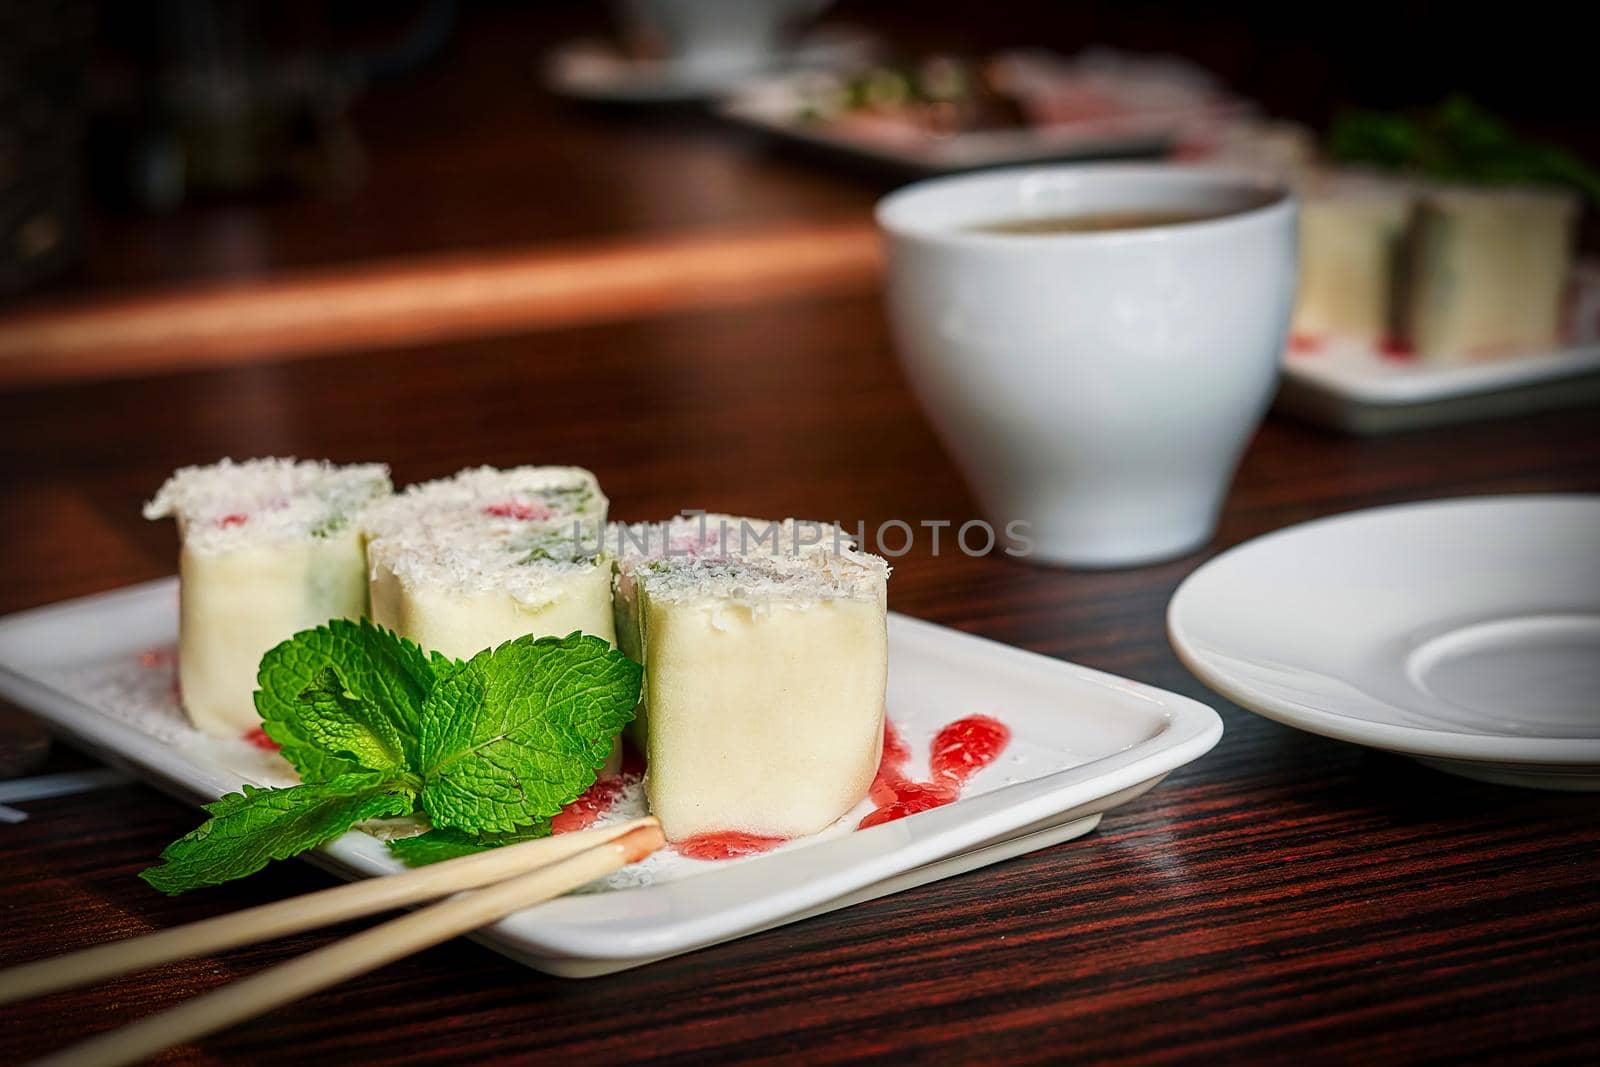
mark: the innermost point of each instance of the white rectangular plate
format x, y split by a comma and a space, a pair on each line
1353, 387
99, 671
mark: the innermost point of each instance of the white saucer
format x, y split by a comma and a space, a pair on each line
1464, 633
599, 70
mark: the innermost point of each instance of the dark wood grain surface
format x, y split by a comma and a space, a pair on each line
1285, 898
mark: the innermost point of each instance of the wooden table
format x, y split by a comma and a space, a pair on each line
1287, 897
1284, 897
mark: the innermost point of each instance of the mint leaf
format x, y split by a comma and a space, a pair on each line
1458, 141
344, 725
448, 844
248, 830
443, 666
521, 730
375, 666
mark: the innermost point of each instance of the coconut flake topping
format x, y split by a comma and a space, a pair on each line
229, 506
743, 559
523, 532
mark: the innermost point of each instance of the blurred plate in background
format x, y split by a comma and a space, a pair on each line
601, 71
944, 113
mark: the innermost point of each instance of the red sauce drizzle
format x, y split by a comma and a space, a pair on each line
966, 747
237, 518
258, 737
511, 509
587, 809
891, 777
600, 797
1305, 344
959, 751
1396, 349
725, 845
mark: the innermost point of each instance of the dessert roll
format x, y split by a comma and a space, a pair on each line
1488, 271
466, 563
764, 681
1352, 239
270, 547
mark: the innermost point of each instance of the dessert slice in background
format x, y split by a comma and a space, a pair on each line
1488, 271
1353, 230
270, 547
764, 687
466, 563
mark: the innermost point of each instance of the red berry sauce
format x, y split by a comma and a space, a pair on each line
1396, 349
959, 751
600, 797
966, 747
258, 737
587, 809
725, 845
512, 509
891, 777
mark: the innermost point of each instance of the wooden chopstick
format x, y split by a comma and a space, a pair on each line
431, 299
307, 912
355, 955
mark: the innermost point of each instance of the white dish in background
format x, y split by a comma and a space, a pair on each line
601, 71
1082, 743
1353, 387
1162, 98
1463, 633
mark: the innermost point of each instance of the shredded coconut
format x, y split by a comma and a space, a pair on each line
229, 506
492, 496
526, 532
805, 579
743, 559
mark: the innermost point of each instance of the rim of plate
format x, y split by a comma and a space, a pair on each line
1407, 740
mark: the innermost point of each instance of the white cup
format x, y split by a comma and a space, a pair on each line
1098, 385
714, 36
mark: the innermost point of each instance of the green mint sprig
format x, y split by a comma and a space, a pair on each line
1456, 141
390, 672
446, 844
488, 750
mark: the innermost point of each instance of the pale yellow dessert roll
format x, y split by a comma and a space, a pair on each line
1488, 272
1352, 240
764, 679
270, 547
467, 563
